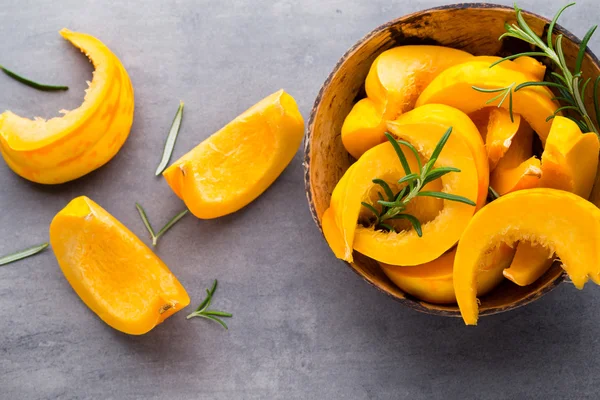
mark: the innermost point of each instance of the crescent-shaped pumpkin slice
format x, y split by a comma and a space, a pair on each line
441, 233
454, 87
65, 148
462, 126
557, 220
114, 273
393, 84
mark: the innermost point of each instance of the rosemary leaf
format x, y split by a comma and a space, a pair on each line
447, 196
541, 83
512, 57
399, 152
440, 146
596, 99
386, 188
30, 83
582, 49
145, 219
171, 138
202, 310
413, 149
413, 220
438, 173
553, 24
19, 255
492, 193
164, 229
170, 224
409, 178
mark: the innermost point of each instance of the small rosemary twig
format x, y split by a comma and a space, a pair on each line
30, 83
171, 138
203, 312
19, 255
164, 229
393, 204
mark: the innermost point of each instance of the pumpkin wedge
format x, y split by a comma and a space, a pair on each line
557, 220
462, 126
238, 163
501, 130
65, 148
395, 80
114, 273
439, 235
432, 281
530, 263
454, 87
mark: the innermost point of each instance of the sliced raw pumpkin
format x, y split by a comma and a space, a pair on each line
239, 162
518, 169
530, 263
114, 273
440, 234
64, 148
501, 130
432, 281
560, 221
532, 66
395, 80
462, 126
454, 87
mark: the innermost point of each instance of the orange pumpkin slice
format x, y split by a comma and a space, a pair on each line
238, 163
530, 263
395, 80
454, 87
462, 126
114, 273
560, 221
500, 132
433, 282
64, 148
440, 234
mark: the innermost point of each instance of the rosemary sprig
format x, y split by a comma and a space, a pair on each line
203, 312
393, 204
19, 255
171, 138
29, 82
570, 84
503, 94
164, 229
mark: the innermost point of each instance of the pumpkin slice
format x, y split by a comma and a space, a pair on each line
454, 87
64, 148
439, 235
569, 162
432, 281
114, 273
560, 221
517, 169
462, 126
500, 132
239, 162
530, 263
395, 80
532, 66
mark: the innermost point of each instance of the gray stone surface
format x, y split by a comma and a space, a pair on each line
305, 326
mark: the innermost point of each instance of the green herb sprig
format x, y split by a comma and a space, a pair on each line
203, 312
570, 84
393, 204
164, 229
30, 83
171, 138
19, 255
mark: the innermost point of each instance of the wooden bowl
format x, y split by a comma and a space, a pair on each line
474, 28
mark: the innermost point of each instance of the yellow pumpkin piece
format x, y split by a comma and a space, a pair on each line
454, 87
114, 273
432, 281
517, 169
239, 162
569, 162
332, 234
532, 66
560, 221
65, 148
462, 126
570, 158
500, 132
481, 118
363, 128
395, 80
439, 235
530, 263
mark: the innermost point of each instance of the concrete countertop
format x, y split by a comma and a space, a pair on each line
304, 326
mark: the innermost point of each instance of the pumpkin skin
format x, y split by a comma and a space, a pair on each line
395, 80
557, 220
432, 281
462, 126
65, 148
239, 162
454, 87
114, 273
439, 235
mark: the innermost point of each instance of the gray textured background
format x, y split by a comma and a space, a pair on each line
305, 326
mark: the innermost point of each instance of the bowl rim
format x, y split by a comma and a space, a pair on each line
409, 300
